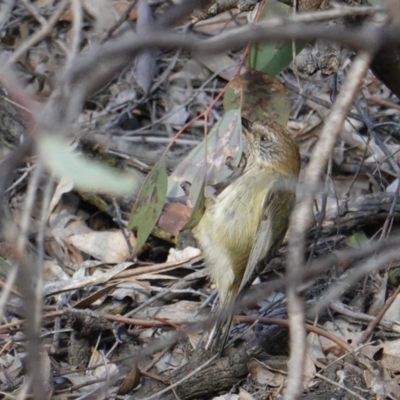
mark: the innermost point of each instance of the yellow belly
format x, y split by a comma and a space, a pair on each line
226, 232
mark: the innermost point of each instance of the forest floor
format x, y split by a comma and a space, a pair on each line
113, 325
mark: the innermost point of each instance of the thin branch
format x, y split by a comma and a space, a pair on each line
303, 217
98, 65
373, 324
175, 384
77, 25
39, 35
27, 283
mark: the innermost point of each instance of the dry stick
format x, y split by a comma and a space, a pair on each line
316, 100
5, 8
358, 316
392, 162
39, 35
109, 317
302, 217
4, 285
7, 288
372, 264
177, 383
32, 9
373, 324
28, 275
121, 20
310, 328
23, 393
118, 53
160, 344
383, 102
77, 25
40, 238
315, 270
339, 386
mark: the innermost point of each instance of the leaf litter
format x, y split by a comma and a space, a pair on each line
102, 307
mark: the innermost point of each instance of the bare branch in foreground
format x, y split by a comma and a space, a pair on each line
302, 217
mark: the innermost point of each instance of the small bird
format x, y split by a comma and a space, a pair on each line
246, 222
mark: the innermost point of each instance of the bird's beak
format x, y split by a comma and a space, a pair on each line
247, 127
248, 134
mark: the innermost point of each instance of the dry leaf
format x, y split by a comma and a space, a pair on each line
186, 253
131, 381
109, 247
174, 218
265, 376
245, 395
121, 6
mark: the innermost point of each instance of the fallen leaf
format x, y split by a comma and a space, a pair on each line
108, 247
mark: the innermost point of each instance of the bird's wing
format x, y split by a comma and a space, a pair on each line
271, 230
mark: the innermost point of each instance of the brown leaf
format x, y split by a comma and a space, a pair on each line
259, 96
174, 218
131, 381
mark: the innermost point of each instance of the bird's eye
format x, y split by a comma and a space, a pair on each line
264, 138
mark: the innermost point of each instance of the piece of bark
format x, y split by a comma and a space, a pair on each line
215, 378
355, 212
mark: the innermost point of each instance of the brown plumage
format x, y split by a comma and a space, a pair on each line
247, 221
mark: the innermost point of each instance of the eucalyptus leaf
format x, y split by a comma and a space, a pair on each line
209, 158
85, 174
198, 209
273, 58
259, 96
149, 204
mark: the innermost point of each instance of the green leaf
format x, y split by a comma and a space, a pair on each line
273, 58
259, 96
357, 240
223, 142
85, 174
198, 209
149, 204
378, 3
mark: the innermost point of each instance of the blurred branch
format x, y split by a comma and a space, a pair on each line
302, 217
95, 68
44, 31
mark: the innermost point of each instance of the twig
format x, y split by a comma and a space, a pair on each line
7, 288
5, 10
29, 276
198, 369
302, 218
76, 33
372, 264
374, 323
340, 386
317, 100
383, 102
39, 35
30, 7
121, 51
362, 317
120, 21
310, 328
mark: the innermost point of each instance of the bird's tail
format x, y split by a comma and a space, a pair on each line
219, 334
